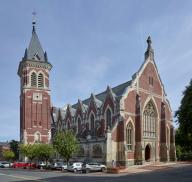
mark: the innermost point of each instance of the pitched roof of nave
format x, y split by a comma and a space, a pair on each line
99, 99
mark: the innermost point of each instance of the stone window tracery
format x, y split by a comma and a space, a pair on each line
129, 136
97, 151
149, 121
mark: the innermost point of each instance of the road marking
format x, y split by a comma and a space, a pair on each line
21, 177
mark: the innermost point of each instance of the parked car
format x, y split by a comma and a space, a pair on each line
57, 165
19, 164
5, 164
74, 167
29, 165
1, 165
93, 166
41, 165
64, 166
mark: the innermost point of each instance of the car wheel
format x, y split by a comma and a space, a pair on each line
87, 170
102, 169
75, 170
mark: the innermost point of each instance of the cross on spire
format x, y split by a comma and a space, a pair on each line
34, 20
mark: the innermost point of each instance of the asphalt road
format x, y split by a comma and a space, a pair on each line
177, 174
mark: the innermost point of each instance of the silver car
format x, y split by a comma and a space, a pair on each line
74, 167
93, 166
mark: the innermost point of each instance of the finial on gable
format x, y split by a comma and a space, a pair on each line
149, 52
149, 43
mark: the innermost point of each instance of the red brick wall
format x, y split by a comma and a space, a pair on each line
36, 115
130, 104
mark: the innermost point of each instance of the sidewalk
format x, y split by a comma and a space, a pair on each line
154, 167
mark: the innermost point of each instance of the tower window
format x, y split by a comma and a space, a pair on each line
33, 79
40, 80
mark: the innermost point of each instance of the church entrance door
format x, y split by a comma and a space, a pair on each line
147, 153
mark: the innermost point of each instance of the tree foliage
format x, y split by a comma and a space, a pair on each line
40, 151
14, 145
8, 155
29, 151
44, 152
66, 144
184, 119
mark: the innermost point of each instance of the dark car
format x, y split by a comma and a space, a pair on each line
93, 166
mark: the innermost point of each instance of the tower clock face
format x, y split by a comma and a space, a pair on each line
37, 96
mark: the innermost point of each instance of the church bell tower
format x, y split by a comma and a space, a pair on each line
35, 117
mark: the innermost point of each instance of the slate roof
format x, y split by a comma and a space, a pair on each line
35, 50
118, 91
99, 99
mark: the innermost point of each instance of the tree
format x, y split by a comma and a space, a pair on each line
29, 151
184, 119
44, 152
8, 155
66, 144
14, 145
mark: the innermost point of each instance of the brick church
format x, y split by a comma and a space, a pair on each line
128, 124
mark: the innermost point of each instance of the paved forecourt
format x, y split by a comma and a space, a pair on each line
175, 173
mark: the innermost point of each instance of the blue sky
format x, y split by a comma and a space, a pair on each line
92, 44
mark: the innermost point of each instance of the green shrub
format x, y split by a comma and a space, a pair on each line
185, 156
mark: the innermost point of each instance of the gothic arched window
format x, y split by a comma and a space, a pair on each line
92, 122
108, 118
149, 121
97, 151
33, 79
40, 80
81, 152
129, 136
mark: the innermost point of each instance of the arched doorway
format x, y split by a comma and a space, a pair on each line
147, 153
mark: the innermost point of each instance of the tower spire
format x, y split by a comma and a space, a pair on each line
35, 51
149, 52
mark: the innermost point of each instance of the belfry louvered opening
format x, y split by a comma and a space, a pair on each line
33, 79
40, 80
